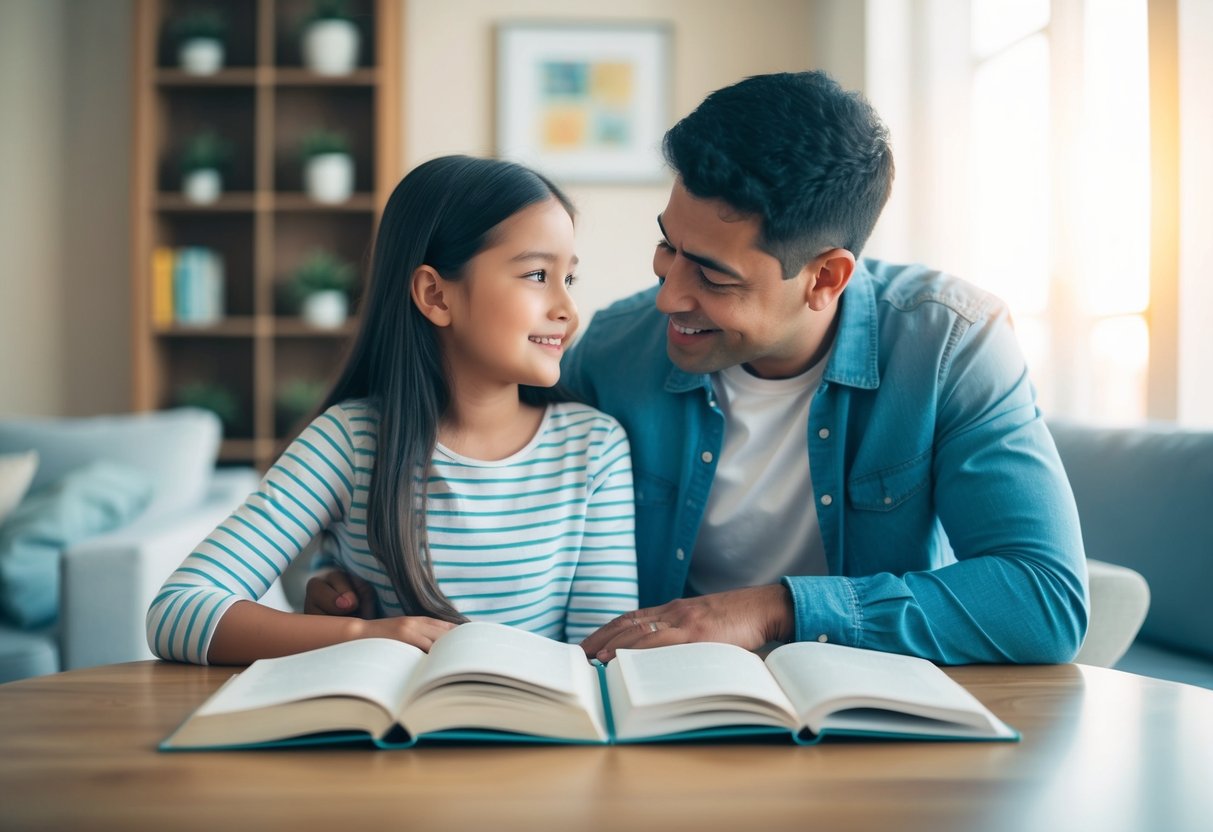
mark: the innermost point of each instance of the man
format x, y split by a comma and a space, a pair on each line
824, 448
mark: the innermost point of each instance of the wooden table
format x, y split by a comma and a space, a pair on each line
1101, 750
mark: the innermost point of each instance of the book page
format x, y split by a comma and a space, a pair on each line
687, 687
375, 669
492, 677
847, 687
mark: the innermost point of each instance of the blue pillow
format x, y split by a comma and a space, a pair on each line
96, 498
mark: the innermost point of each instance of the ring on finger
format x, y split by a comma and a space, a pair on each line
652, 626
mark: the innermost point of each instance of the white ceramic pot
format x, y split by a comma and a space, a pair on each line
329, 177
330, 47
200, 56
202, 187
327, 309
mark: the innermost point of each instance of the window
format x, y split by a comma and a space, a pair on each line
1051, 124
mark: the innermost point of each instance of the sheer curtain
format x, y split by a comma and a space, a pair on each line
1022, 132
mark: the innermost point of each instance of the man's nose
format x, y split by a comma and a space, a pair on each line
673, 296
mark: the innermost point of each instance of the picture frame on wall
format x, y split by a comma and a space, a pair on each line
584, 102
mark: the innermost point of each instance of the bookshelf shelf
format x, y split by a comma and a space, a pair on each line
262, 104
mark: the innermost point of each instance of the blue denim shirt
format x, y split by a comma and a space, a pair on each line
949, 526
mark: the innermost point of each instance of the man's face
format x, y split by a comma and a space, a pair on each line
726, 298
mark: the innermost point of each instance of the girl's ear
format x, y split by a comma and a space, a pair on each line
428, 289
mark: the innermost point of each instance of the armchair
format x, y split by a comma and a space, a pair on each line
107, 581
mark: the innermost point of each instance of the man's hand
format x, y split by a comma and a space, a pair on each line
748, 617
335, 592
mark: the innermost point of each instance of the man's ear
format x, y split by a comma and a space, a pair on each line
831, 272
428, 293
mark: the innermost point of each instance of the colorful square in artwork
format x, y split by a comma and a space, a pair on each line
611, 83
565, 78
585, 105
565, 128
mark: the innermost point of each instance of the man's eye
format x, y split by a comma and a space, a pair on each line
662, 245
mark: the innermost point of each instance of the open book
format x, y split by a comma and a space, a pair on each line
486, 681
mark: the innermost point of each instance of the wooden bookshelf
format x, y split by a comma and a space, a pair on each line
262, 101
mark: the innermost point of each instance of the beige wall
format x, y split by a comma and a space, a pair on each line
448, 108
31, 96
64, 206
65, 100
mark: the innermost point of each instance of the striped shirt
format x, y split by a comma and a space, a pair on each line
541, 540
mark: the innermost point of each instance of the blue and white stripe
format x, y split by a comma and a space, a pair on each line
541, 540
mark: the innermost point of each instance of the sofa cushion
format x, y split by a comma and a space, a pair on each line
1143, 498
176, 449
96, 498
24, 654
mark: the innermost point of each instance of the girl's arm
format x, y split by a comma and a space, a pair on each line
604, 583
309, 489
250, 631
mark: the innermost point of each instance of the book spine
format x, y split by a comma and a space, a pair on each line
162, 287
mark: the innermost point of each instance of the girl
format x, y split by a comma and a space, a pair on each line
432, 472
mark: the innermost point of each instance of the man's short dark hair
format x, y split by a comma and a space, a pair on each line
797, 150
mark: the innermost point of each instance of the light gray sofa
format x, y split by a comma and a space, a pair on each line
1145, 501
107, 581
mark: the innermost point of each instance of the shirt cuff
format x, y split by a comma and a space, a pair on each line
826, 609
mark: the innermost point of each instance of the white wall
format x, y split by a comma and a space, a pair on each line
448, 67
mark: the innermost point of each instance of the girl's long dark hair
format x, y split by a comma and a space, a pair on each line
441, 214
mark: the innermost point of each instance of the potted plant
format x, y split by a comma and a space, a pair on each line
295, 401
199, 36
321, 286
328, 167
330, 39
203, 160
212, 396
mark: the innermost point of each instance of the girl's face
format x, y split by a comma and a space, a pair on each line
512, 316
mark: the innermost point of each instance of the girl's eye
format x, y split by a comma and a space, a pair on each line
570, 279
540, 276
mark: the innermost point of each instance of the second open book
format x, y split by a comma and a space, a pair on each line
485, 681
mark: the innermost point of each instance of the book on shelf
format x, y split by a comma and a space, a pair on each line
484, 681
197, 286
162, 286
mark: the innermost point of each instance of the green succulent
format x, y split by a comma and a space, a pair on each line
320, 141
211, 396
204, 151
205, 22
321, 271
296, 399
328, 10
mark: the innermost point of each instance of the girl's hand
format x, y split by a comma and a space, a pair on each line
417, 630
335, 592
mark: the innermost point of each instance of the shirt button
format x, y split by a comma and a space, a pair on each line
826, 499
823, 638
888, 501
706, 456
824, 433
680, 554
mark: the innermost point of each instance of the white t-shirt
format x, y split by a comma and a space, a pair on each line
760, 523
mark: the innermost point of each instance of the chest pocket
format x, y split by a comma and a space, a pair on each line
887, 489
653, 491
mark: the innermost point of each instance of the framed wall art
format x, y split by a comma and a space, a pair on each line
584, 102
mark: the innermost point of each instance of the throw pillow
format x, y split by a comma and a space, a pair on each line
96, 498
16, 473
175, 448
